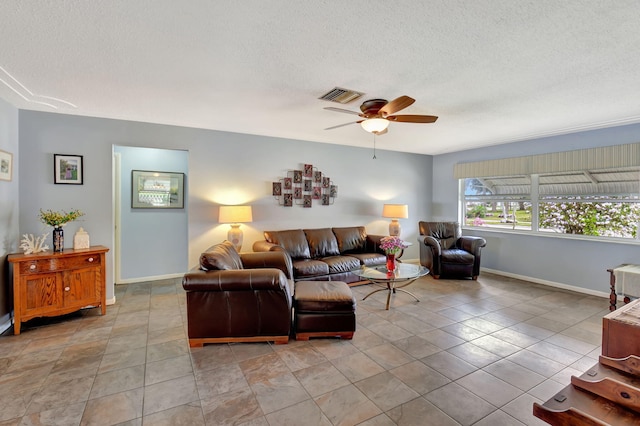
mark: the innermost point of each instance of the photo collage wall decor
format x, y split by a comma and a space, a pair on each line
302, 187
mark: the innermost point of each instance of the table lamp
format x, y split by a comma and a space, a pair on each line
235, 215
395, 212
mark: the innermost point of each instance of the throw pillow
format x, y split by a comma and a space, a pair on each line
220, 257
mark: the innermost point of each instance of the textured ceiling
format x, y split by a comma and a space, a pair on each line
493, 71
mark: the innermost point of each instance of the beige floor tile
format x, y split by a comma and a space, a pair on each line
321, 378
114, 409
419, 377
217, 381
449, 399
347, 406
230, 408
493, 390
117, 381
183, 415
278, 392
61, 415
306, 412
357, 366
420, 412
168, 394
386, 390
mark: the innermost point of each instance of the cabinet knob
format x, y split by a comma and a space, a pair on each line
91, 259
32, 267
67, 288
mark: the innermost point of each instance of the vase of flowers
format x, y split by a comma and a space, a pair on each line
391, 247
58, 220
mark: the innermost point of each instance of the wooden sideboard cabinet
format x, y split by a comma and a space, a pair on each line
50, 284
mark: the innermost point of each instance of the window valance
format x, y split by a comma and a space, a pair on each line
606, 157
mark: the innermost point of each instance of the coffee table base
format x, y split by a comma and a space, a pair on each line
391, 288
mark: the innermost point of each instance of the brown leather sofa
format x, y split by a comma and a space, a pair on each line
234, 297
446, 252
326, 254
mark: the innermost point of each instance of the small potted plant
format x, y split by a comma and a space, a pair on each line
58, 220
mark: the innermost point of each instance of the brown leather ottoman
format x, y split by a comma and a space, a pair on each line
323, 308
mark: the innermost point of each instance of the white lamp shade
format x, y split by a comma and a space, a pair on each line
375, 125
235, 214
395, 211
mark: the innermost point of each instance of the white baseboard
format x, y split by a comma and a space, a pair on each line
111, 301
144, 279
5, 326
550, 283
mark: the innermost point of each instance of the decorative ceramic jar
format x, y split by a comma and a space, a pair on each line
58, 239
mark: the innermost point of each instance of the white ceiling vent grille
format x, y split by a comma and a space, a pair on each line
340, 95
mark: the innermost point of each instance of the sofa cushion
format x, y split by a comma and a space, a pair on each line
321, 242
221, 256
309, 268
339, 264
370, 259
457, 256
293, 241
351, 240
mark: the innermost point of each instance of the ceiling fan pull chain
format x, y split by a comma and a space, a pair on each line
374, 146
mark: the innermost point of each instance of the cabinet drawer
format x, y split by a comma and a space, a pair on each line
58, 264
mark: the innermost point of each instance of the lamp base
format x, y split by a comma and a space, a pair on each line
394, 228
235, 237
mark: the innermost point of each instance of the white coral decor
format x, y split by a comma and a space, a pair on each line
31, 244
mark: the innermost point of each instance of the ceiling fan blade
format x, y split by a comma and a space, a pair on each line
342, 110
413, 118
342, 125
396, 105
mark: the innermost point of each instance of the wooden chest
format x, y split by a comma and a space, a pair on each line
621, 331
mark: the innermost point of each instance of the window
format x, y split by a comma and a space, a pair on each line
599, 203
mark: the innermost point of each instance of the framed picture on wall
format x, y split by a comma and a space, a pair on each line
68, 169
157, 190
6, 165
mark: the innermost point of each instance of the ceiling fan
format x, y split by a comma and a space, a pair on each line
378, 113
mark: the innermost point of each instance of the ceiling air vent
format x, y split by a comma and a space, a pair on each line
341, 96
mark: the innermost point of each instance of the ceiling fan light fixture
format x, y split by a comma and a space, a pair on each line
375, 125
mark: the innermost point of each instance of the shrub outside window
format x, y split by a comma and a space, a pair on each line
602, 203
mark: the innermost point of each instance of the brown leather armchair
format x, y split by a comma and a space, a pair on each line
446, 252
239, 297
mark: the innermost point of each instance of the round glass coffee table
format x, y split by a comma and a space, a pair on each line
405, 274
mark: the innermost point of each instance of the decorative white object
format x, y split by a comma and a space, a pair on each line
81, 239
395, 212
235, 215
31, 244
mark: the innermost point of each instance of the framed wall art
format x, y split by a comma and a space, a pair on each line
301, 187
68, 169
6, 165
157, 190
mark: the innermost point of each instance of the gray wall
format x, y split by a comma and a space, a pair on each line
9, 200
144, 233
565, 261
224, 168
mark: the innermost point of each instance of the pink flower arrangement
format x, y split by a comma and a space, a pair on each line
392, 245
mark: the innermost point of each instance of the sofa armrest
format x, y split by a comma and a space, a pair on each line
263, 245
236, 280
270, 259
471, 244
432, 243
372, 244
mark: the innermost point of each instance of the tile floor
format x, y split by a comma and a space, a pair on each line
469, 353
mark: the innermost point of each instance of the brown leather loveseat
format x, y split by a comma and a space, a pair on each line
326, 254
239, 297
